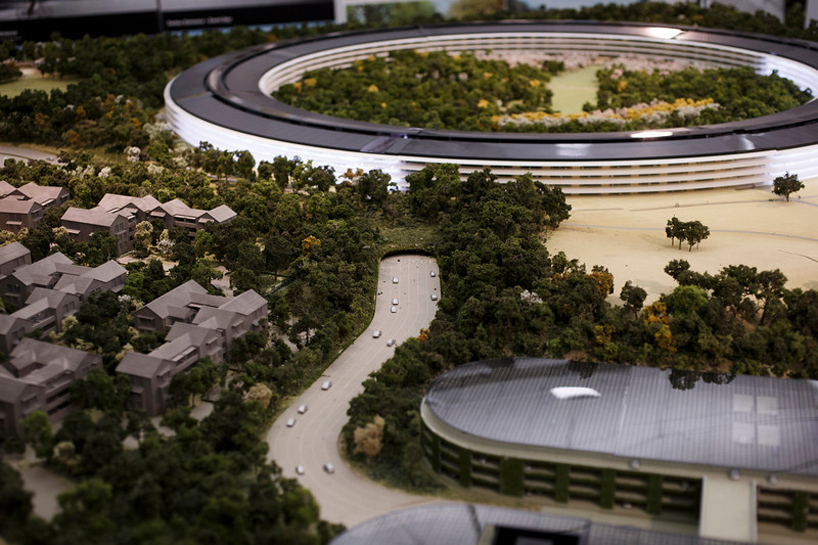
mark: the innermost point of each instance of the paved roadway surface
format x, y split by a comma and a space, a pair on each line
344, 496
14, 152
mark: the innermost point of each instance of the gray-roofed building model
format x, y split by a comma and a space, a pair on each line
118, 216
82, 224
198, 325
658, 441
13, 256
45, 196
38, 376
25, 206
47, 291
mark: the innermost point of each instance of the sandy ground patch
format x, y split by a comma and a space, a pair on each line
46, 485
626, 234
573, 89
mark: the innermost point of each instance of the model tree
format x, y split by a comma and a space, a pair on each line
787, 184
692, 232
674, 231
633, 296
695, 232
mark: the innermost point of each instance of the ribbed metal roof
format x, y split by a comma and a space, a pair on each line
462, 524
225, 91
758, 423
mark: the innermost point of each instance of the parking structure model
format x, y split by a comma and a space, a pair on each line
658, 442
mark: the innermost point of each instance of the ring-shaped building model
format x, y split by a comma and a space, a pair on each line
226, 101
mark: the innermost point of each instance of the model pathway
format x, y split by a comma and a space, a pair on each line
344, 496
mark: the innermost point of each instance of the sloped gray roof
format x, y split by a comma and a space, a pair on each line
12, 251
246, 303
113, 203
59, 358
178, 298
106, 272
70, 268
11, 388
78, 285
141, 365
52, 298
216, 318
197, 334
5, 188
95, 216
178, 348
758, 423
43, 194
33, 308
176, 207
206, 300
8, 322
222, 213
45, 267
15, 205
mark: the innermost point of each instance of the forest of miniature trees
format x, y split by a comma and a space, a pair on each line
309, 239
471, 92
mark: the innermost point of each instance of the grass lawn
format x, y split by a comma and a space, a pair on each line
35, 81
410, 238
573, 89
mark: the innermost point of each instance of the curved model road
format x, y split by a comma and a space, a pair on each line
344, 496
24, 154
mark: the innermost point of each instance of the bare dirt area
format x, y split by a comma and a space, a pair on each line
626, 234
46, 485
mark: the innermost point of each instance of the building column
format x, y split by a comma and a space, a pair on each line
728, 509
340, 7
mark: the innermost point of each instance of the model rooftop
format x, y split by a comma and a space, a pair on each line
468, 524
757, 423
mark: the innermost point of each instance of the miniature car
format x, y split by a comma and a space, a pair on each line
433, 273
302, 409
376, 334
291, 422
328, 467
434, 297
299, 470
393, 310
390, 342
394, 279
327, 384
395, 301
